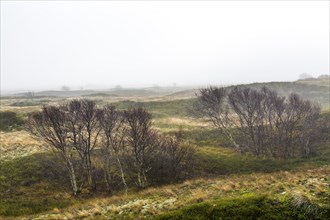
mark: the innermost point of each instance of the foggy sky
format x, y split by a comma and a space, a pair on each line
49, 44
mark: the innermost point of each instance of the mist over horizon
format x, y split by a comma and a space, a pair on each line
101, 45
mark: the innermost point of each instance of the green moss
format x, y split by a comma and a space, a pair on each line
246, 207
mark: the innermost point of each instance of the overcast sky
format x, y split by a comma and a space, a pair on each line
45, 45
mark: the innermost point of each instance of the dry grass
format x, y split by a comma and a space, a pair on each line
170, 124
17, 144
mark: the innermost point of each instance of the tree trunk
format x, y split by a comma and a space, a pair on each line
141, 177
107, 174
122, 173
90, 178
72, 175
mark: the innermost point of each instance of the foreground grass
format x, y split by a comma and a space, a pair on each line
303, 194
36, 183
252, 206
31, 184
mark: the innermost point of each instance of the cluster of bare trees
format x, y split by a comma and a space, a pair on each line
260, 121
121, 144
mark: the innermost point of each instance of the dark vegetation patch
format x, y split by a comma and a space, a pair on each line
10, 121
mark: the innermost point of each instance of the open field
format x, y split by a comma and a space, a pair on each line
32, 184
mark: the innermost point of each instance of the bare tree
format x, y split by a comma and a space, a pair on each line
113, 132
85, 113
177, 153
211, 106
297, 113
311, 130
268, 124
273, 108
141, 140
51, 126
247, 104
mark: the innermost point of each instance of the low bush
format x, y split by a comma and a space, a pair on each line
9, 121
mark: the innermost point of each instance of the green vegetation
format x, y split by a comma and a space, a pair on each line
9, 121
27, 179
32, 184
251, 207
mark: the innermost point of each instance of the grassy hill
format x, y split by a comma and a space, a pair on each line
223, 182
111, 92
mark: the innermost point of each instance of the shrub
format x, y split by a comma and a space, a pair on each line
9, 121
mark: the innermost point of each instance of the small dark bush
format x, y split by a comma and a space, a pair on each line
9, 121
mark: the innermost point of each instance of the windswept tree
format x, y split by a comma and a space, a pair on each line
211, 105
70, 128
297, 119
248, 106
142, 140
311, 130
177, 155
268, 124
51, 126
113, 141
85, 130
90, 135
